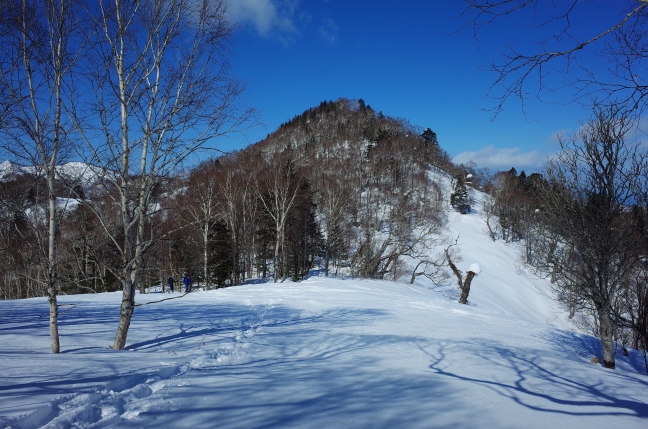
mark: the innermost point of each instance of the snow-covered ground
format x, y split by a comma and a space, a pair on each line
321, 353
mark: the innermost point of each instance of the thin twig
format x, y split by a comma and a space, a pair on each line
63, 312
165, 299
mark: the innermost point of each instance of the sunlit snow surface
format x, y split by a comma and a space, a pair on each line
321, 353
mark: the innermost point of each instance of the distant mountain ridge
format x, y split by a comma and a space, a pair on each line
76, 172
9, 170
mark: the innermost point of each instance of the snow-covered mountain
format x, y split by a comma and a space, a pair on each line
72, 172
10, 170
80, 172
325, 352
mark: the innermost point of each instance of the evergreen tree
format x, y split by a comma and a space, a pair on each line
522, 177
459, 199
430, 136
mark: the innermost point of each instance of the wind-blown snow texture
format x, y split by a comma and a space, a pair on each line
321, 353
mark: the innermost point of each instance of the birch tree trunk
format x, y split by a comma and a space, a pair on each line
607, 335
206, 256
37, 58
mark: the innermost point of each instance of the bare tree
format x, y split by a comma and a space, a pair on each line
633, 308
163, 89
277, 189
38, 41
201, 207
433, 269
550, 40
593, 182
238, 208
334, 199
633, 311
464, 283
17, 242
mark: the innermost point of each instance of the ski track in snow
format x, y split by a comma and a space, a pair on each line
126, 397
122, 398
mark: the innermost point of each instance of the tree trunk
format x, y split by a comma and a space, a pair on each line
206, 255
126, 314
52, 266
465, 289
607, 335
53, 319
276, 257
414, 271
326, 258
283, 253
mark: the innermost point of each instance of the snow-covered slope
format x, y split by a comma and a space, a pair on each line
504, 285
320, 353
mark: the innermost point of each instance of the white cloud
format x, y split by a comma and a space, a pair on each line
503, 159
328, 31
265, 16
554, 138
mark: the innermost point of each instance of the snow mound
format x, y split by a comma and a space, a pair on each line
475, 268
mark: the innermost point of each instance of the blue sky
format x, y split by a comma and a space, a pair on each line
404, 58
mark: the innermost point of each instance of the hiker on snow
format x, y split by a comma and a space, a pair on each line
170, 281
187, 283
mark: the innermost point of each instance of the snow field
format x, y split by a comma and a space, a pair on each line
320, 353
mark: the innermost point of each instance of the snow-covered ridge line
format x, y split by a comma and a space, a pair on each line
76, 172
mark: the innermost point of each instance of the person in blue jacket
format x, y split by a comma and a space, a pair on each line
187, 282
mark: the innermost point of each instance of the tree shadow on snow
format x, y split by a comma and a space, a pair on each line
315, 369
306, 392
587, 346
223, 320
527, 378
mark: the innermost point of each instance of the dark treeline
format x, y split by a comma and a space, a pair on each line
339, 185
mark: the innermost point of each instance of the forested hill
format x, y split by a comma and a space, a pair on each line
352, 129
340, 187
